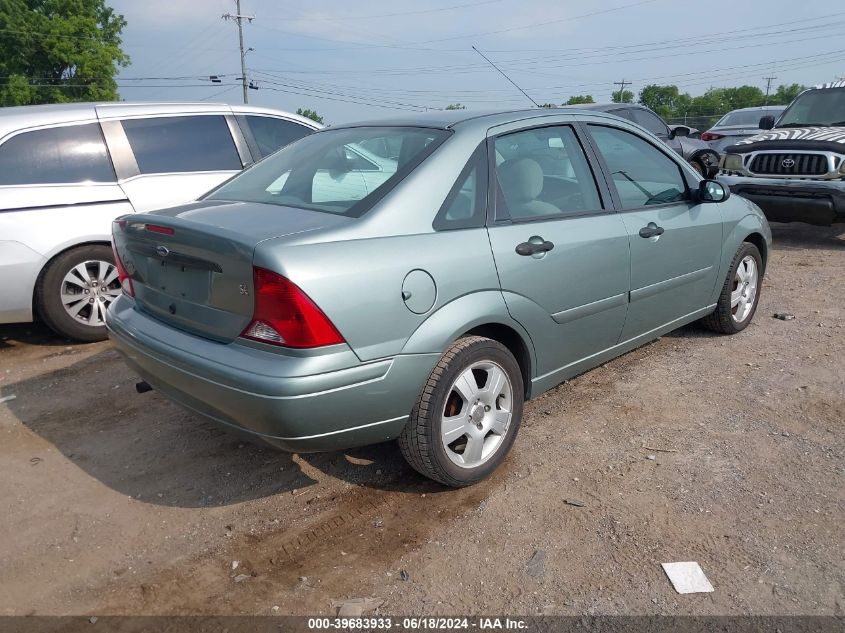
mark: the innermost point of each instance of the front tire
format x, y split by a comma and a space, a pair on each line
75, 290
468, 414
740, 293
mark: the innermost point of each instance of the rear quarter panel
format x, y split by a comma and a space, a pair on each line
358, 284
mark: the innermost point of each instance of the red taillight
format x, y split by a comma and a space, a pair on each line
284, 315
125, 280
711, 136
156, 228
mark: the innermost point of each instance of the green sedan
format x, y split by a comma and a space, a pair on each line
418, 279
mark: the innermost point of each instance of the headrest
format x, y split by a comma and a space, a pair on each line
522, 179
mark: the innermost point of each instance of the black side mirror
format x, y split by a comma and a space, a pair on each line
712, 191
680, 131
767, 122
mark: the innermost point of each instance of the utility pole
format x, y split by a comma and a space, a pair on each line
621, 85
239, 18
769, 81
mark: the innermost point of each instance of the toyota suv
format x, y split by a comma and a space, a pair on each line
66, 171
795, 170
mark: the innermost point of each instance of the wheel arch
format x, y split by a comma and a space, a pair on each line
481, 313
53, 257
760, 242
515, 344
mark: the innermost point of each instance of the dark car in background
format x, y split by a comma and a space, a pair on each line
697, 153
737, 125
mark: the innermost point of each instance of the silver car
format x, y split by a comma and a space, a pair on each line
419, 278
66, 171
737, 125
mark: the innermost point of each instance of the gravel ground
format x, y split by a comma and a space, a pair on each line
727, 451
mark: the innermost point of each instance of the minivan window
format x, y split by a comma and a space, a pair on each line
182, 144
331, 171
69, 154
271, 133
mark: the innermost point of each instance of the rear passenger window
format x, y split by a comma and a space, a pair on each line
271, 133
182, 144
543, 173
70, 154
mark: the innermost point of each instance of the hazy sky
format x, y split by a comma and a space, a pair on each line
345, 59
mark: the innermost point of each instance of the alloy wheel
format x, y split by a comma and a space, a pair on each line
477, 414
744, 292
88, 289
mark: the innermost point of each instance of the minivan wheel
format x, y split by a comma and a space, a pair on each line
75, 290
740, 293
468, 414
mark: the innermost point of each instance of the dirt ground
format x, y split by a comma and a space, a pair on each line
723, 450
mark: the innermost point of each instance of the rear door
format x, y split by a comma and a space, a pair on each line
675, 244
560, 250
163, 161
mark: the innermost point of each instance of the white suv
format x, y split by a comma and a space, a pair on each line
66, 171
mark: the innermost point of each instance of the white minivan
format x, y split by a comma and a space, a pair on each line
66, 171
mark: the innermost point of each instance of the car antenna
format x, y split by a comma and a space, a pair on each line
505, 76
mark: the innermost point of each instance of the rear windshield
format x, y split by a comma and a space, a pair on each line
343, 171
751, 118
816, 108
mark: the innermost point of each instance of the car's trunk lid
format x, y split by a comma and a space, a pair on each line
191, 266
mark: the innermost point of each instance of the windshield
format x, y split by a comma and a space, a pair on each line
816, 108
749, 118
343, 171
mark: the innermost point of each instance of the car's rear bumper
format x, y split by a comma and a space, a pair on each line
819, 202
304, 402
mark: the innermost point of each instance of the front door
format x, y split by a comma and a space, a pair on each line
675, 243
560, 250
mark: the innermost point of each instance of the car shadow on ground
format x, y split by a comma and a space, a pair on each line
800, 236
143, 446
30, 334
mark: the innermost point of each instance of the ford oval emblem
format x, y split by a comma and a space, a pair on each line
162, 251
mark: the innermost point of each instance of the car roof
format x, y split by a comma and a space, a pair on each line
606, 107
770, 107
447, 119
19, 117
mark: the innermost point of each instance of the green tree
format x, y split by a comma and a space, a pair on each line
622, 96
456, 106
309, 114
786, 94
667, 101
57, 51
579, 99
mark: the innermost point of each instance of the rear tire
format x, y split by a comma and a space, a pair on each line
468, 414
75, 290
740, 293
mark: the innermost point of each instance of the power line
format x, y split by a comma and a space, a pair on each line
392, 15
239, 18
